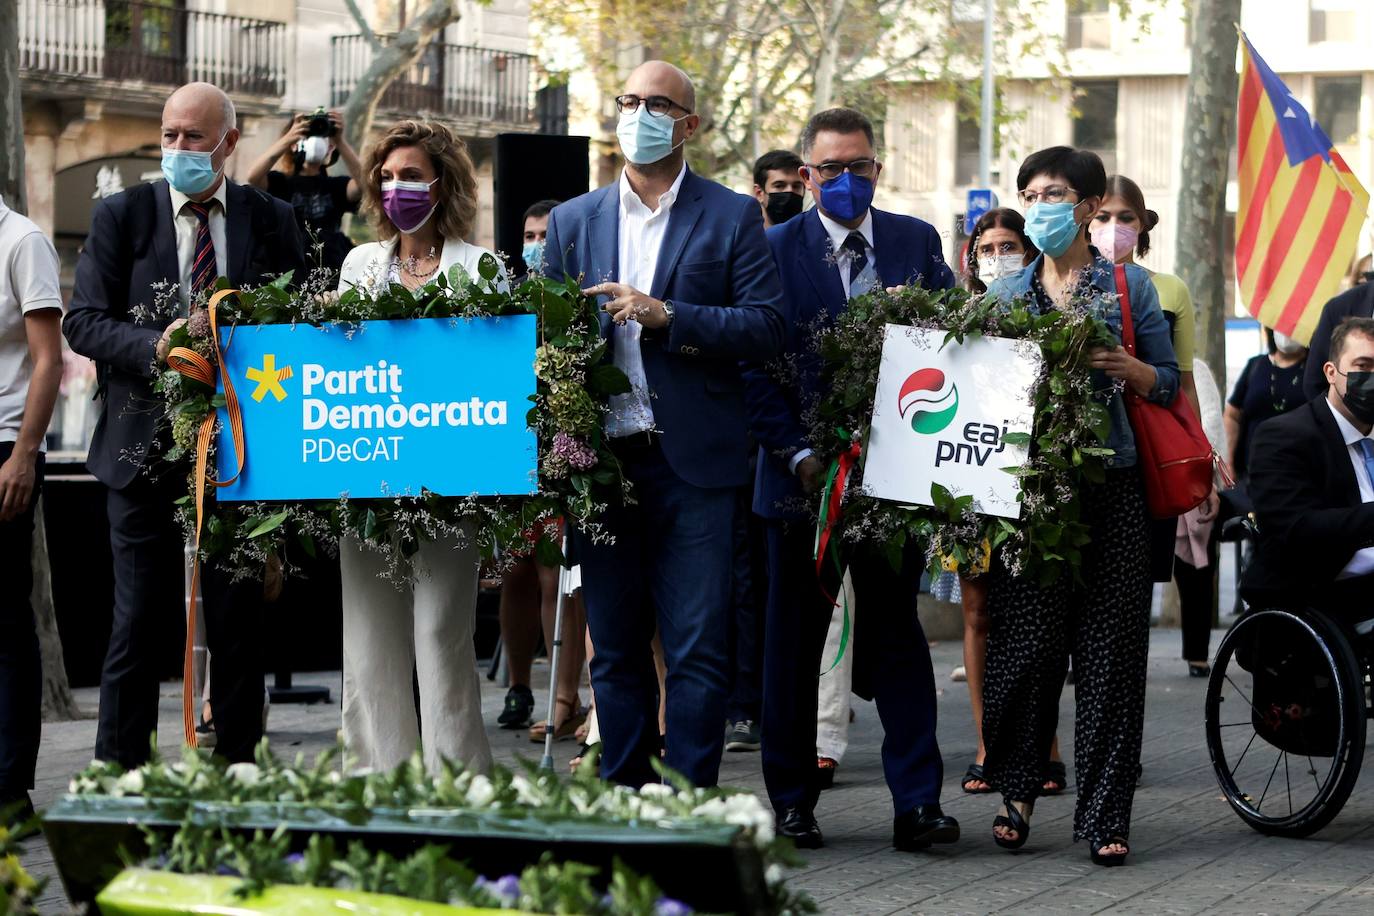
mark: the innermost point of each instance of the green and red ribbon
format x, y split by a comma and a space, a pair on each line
832, 495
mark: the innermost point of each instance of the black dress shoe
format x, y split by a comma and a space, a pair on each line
800, 825
922, 826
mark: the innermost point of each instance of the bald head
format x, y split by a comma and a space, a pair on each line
658, 77
200, 117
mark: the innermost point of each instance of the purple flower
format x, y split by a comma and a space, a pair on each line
506, 887
578, 454
295, 859
198, 325
667, 906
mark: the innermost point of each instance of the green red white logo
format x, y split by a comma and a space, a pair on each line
930, 399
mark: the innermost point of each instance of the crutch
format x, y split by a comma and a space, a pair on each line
555, 651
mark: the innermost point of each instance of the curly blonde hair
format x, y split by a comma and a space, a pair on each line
457, 189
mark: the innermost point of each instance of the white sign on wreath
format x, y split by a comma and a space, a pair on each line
940, 415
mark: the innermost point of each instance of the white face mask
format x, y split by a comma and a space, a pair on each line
316, 149
999, 266
1287, 345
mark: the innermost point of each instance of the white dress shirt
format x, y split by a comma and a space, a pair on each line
1362, 563
843, 259
186, 224
641, 238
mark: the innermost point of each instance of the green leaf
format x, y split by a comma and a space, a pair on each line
547, 552
269, 524
487, 267
557, 315
1016, 439
606, 379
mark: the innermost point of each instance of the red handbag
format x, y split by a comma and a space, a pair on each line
1172, 451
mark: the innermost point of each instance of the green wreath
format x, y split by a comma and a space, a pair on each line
578, 474
1066, 452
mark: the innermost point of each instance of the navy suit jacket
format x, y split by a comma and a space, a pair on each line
131, 248
716, 270
906, 251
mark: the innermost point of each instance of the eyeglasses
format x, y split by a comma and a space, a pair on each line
1054, 194
860, 168
658, 105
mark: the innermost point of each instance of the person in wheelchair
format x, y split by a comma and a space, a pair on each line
1311, 483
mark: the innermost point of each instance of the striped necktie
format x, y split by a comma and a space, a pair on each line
1367, 451
862, 275
203, 266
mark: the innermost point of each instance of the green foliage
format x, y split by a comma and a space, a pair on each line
1066, 451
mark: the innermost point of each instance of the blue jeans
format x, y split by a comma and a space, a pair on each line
670, 567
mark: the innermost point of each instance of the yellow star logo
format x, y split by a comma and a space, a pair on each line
269, 378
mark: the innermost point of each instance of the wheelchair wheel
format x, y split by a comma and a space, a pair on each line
1285, 719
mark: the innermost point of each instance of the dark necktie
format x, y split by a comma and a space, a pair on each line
860, 279
203, 267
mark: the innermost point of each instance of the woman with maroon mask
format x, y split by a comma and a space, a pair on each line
420, 193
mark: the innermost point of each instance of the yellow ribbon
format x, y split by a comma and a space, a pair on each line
194, 366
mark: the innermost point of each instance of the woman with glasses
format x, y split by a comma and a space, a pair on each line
1101, 616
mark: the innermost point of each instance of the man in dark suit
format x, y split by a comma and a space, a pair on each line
839, 250
688, 290
1310, 480
1356, 302
153, 251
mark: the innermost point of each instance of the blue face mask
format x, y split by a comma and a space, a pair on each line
847, 197
533, 253
646, 138
1052, 227
190, 171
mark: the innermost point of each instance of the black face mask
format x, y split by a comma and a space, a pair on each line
782, 206
1359, 395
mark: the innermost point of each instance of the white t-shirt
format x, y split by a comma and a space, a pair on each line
28, 282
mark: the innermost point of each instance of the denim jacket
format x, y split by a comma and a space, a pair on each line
1153, 342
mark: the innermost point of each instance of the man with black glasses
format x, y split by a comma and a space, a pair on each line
688, 290
838, 251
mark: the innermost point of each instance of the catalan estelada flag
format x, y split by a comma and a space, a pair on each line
1301, 208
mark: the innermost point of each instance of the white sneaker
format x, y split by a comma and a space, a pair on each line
958, 675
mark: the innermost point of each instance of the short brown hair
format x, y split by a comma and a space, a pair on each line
1361, 326
456, 198
839, 121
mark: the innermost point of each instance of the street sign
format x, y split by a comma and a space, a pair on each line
980, 201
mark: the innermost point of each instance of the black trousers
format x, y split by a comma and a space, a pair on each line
1196, 602
147, 543
21, 670
746, 630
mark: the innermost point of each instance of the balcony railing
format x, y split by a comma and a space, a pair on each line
455, 81
162, 43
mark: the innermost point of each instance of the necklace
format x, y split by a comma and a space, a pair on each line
411, 265
1281, 404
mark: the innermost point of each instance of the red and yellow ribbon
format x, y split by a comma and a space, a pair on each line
194, 366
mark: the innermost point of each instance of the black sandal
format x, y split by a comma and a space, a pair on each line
974, 773
1056, 776
1109, 859
1012, 820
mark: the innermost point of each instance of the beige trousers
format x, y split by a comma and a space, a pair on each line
426, 624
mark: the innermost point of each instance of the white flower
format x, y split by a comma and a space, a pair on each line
246, 774
656, 789
526, 792
480, 793
131, 783
651, 812
773, 874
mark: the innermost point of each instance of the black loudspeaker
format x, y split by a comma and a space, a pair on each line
530, 168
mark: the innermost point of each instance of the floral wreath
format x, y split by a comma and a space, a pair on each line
578, 475
1066, 451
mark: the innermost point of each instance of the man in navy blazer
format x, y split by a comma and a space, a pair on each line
830, 254
689, 290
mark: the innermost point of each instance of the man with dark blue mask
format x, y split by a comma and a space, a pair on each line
687, 289
177, 236
829, 255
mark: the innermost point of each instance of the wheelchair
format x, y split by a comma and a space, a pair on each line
1286, 713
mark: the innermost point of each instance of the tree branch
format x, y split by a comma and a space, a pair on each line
363, 26
390, 62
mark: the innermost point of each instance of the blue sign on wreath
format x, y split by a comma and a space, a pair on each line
383, 409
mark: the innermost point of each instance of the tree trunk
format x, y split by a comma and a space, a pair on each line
58, 702
1208, 132
389, 62
11, 111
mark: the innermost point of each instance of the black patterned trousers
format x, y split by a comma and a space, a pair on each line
1104, 624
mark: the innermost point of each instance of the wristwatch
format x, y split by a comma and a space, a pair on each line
668, 310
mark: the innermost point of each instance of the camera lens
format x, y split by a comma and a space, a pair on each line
320, 126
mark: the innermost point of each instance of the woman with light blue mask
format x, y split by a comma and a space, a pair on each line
1104, 623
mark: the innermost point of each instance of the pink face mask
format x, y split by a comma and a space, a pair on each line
407, 204
1114, 240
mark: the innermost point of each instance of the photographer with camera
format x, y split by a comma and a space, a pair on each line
309, 144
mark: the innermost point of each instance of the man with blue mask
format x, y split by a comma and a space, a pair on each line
687, 289
154, 254
837, 251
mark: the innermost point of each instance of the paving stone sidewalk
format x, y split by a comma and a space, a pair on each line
1190, 854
